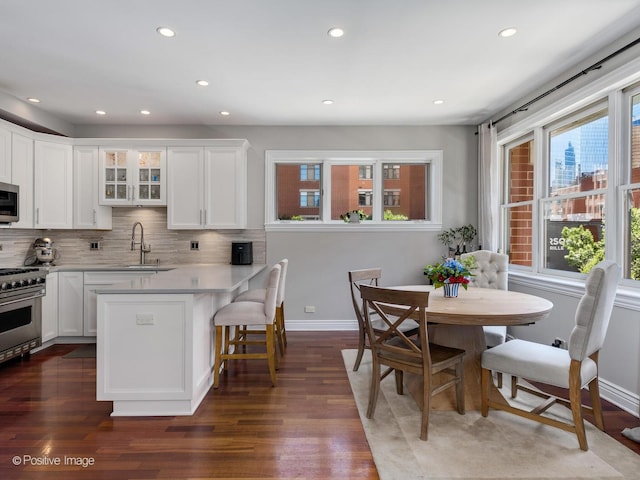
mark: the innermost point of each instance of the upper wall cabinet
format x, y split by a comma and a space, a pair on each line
22, 175
132, 176
53, 185
5, 156
87, 212
207, 186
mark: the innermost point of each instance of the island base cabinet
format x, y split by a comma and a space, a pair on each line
154, 354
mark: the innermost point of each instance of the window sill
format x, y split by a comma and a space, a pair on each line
626, 296
366, 226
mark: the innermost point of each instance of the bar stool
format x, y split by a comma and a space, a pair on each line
237, 314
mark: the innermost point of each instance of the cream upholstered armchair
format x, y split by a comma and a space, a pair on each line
492, 272
572, 369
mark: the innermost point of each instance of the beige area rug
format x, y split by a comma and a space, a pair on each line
501, 446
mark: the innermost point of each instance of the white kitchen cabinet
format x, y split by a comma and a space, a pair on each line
70, 306
22, 175
5, 155
130, 177
92, 280
53, 185
208, 187
50, 308
87, 212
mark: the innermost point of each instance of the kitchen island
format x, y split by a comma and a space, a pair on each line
155, 337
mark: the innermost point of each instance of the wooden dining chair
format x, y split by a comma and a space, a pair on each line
571, 369
370, 276
394, 349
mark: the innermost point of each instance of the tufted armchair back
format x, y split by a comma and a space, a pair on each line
492, 271
594, 310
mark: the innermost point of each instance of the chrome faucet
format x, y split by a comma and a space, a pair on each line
143, 248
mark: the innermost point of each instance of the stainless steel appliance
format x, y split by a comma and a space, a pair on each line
43, 253
21, 292
9, 203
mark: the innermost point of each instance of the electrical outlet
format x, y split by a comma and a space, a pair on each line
94, 245
560, 343
310, 309
195, 245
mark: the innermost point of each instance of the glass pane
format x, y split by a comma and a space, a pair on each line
155, 192
635, 139
110, 174
143, 174
520, 172
121, 192
346, 186
143, 192
404, 192
155, 174
298, 194
574, 230
519, 235
149, 159
109, 191
122, 174
579, 155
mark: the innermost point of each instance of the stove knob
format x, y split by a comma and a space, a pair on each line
4, 286
29, 281
11, 285
21, 283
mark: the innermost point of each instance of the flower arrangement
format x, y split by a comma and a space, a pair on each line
451, 271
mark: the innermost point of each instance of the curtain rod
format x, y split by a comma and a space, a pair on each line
595, 66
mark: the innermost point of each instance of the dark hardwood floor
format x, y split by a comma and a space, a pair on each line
307, 427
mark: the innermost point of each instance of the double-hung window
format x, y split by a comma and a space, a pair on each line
315, 189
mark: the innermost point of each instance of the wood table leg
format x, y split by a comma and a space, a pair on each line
469, 338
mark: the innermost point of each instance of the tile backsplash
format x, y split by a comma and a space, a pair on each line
168, 246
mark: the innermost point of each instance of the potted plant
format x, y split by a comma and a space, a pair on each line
354, 216
467, 234
450, 274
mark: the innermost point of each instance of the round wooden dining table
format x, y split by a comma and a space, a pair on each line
457, 322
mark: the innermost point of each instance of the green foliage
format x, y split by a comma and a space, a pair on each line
584, 251
361, 214
635, 243
389, 215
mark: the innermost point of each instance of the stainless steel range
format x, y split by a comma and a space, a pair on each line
21, 292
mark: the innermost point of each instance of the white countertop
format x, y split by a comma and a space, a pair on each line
184, 279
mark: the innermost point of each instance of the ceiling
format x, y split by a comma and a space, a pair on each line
271, 62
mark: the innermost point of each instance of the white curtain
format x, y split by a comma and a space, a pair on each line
488, 188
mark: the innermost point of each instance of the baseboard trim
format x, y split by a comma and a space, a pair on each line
321, 325
624, 399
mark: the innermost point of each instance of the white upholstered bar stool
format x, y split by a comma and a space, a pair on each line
236, 314
571, 369
257, 295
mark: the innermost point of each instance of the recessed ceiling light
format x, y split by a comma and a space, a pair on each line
33, 100
166, 32
507, 32
335, 32
202, 83
100, 112
145, 112
438, 102
225, 113
327, 102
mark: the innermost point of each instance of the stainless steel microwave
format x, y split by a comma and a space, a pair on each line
9, 203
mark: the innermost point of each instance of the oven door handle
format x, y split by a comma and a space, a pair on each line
23, 299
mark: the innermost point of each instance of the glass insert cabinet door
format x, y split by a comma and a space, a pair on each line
132, 176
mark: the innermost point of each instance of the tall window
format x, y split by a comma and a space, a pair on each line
631, 190
574, 206
328, 184
518, 202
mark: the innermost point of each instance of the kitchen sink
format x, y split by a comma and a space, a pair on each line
148, 267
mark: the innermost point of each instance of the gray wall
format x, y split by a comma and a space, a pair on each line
319, 261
